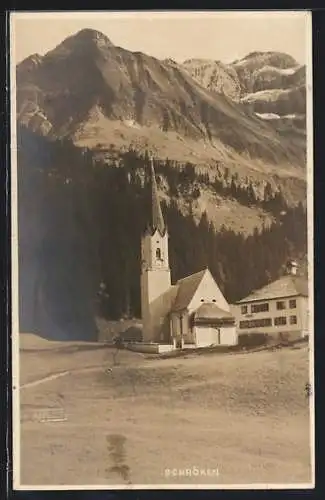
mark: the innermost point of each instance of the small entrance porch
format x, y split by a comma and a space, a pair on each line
214, 326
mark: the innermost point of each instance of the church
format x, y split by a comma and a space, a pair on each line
189, 314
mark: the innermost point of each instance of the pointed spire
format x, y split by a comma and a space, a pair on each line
157, 220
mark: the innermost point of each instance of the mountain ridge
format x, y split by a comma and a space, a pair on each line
134, 86
253, 73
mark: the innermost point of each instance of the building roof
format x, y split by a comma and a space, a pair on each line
287, 286
210, 311
170, 294
156, 217
186, 289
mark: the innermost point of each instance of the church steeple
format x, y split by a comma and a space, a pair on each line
156, 217
155, 271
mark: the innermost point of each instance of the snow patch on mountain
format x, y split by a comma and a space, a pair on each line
264, 95
281, 71
268, 116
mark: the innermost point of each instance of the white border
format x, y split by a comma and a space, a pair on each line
310, 229
161, 14
14, 272
14, 241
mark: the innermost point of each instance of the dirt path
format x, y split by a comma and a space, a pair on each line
54, 376
44, 379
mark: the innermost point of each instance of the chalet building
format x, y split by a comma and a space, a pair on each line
279, 309
191, 313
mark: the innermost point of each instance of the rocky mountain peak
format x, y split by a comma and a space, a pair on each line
82, 42
91, 35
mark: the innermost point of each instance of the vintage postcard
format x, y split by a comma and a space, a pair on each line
162, 250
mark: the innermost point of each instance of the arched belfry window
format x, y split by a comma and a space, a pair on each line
158, 254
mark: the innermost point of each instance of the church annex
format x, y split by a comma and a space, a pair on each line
191, 313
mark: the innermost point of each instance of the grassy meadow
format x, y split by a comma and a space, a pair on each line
149, 420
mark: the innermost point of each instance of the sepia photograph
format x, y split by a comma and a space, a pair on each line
162, 250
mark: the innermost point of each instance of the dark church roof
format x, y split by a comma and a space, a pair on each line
156, 220
287, 286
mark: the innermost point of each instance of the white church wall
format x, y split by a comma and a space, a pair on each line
205, 336
177, 330
188, 332
228, 335
175, 325
185, 325
155, 287
208, 335
158, 317
208, 291
149, 246
154, 284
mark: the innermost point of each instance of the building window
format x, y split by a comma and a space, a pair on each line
202, 300
280, 305
292, 303
213, 300
244, 309
293, 320
255, 308
158, 254
280, 320
256, 323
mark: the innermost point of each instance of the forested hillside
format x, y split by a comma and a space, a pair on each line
80, 224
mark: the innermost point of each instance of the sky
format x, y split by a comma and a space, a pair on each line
223, 36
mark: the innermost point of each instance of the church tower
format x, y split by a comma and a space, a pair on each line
155, 272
